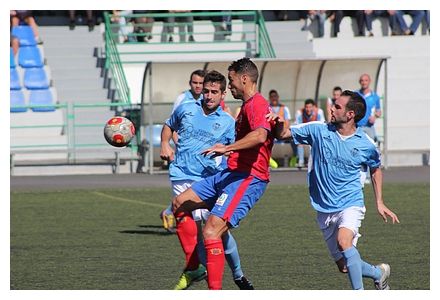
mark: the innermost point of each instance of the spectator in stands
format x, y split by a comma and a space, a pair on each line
124, 30
373, 107
14, 44
282, 15
320, 16
143, 26
195, 91
336, 16
284, 112
336, 93
89, 16
370, 15
309, 113
417, 17
19, 17
170, 23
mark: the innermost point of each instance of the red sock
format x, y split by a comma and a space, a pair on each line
215, 263
186, 230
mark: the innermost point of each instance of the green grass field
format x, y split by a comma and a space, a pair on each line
113, 239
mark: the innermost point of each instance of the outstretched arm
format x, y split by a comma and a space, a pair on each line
252, 139
282, 131
385, 212
166, 151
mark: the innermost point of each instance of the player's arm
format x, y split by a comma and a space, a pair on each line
376, 180
252, 139
280, 130
166, 151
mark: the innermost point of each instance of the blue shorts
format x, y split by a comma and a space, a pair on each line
230, 195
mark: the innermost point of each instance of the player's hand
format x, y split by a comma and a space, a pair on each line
166, 152
385, 212
274, 117
216, 150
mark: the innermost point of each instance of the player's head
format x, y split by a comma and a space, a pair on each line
365, 81
309, 106
337, 91
347, 108
196, 82
214, 90
274, 98
242, 75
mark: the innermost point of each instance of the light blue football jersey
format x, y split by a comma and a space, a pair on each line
198, 132
334, 176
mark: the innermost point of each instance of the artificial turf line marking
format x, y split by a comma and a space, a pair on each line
128, 200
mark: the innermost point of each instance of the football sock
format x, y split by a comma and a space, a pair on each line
231, 255
354, 266
371, 271
186, 230
215, 263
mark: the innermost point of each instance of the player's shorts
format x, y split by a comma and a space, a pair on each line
230, 195
178, 187
329, 223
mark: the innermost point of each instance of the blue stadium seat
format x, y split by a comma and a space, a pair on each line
41, 97
15, 79
12, 59
35, 78
30, 57
25, 35
17, 98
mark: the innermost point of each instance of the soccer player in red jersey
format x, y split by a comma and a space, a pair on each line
231, 193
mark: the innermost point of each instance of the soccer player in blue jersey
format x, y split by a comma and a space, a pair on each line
339, 150
199, 125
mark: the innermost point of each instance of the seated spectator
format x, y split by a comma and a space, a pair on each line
320, 16
284, 112
336, 93
14, 44
417, 17
143, 26
170, 23
19, 17
336, 16
309, 113
370, 15
89, 16
123, 30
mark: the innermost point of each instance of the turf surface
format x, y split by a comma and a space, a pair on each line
113, 239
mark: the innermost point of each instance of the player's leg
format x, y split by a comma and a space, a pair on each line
348, 234
215, 258
233, 259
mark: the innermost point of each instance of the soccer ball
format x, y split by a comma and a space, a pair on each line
119, 131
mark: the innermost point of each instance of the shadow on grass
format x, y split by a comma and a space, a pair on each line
148, 229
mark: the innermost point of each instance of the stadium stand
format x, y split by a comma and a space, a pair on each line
43, 99
15, 79
30, 57
25, 35
12, 59
17, 99
36, 78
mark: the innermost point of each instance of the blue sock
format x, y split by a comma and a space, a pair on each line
354, 266
371, 271
201, 252
231, 254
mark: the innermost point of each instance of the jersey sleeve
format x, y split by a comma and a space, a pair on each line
306, 132
374, 158
377, 103
257, 116
174, 120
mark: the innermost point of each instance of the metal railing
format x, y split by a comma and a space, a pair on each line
113, 63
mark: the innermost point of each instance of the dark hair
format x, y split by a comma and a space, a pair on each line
245, 66
200, 73
356, 103
309, 101
214, 76
273, 91
337, 88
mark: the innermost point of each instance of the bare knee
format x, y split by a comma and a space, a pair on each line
214, 229
345, 238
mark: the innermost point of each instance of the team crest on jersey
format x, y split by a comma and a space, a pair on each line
216, 126
221, 200
354, 152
